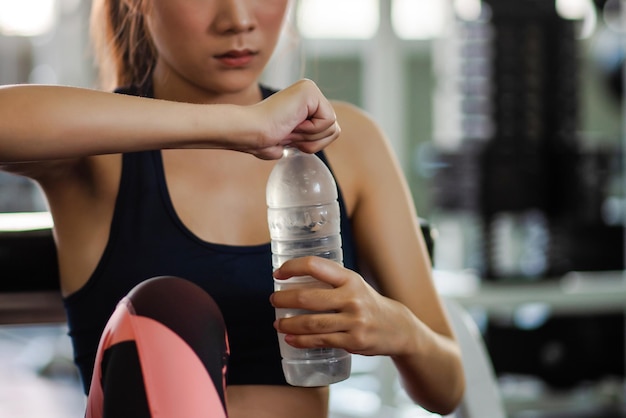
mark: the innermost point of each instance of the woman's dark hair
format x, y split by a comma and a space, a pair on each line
124, 51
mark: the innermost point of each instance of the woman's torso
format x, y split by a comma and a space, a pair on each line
218, 197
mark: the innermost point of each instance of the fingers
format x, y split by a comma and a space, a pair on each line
318, 323
339, 313
322, 269
309, 299
306, 142
326, 330
321, 122
336, 340
319, 298
310, 138
298, 116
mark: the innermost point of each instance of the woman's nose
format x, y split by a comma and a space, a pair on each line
235, 16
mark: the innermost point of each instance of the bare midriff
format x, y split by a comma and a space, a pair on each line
247, 401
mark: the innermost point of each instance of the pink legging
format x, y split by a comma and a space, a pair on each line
163, 354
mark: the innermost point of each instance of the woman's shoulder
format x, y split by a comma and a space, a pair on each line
362, 139
350, 113
361, 152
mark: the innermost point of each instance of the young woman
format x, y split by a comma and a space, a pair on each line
161, 211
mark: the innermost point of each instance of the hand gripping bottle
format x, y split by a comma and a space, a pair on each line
303, 218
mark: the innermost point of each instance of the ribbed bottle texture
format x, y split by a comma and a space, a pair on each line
303, 218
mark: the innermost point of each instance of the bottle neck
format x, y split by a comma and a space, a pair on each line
290, 151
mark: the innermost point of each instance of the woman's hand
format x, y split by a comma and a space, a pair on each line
353, 315
299, 116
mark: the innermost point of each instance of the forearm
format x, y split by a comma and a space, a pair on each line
52, 122
432, 372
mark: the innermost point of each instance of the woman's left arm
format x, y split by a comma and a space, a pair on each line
406, 320
425, 350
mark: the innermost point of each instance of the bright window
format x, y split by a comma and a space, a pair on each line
338, 19
419, 19
573, 9
583, 10
27, 17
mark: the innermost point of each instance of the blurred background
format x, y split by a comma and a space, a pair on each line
507, 119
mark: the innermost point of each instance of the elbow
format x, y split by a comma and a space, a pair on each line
452, 402
455, 392
447, 402
446, 395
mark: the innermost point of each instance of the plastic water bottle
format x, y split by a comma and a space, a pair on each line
303, 217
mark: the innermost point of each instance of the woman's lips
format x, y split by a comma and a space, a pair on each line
236, 58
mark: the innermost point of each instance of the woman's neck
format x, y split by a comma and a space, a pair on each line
169, 86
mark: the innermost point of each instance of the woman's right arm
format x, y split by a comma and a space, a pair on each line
43, 123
